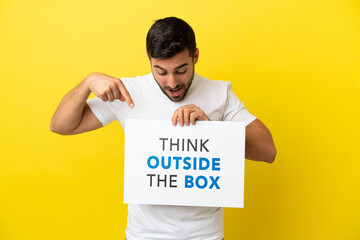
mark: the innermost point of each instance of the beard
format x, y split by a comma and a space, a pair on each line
184, 88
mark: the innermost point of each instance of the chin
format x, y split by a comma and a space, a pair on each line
178, 99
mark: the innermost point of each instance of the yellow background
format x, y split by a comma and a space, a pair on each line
294, 64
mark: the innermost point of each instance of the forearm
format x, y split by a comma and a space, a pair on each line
259, 145
70, 110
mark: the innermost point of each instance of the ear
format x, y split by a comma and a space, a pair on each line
196, 56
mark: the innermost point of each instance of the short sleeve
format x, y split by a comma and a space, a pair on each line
235, 109
101, 110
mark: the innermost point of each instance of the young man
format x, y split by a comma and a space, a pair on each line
171, 91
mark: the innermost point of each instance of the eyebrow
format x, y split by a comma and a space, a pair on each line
182, 65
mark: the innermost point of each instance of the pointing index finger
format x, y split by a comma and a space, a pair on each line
125, 94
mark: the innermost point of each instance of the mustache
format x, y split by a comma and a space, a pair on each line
177, 87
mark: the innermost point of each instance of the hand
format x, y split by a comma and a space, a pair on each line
108, 88
187, 114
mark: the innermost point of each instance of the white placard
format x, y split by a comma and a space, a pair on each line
201, 165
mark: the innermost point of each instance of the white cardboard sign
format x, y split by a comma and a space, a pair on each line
201, 165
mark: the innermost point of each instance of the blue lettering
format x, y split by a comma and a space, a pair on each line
177, 159
156, 162
198, 180
201, 160
189, 181
214, 182
186, 162
163, 163
216, 164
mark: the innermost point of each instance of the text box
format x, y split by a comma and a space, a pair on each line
196, 165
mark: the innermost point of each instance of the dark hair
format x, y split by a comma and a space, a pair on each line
170, 36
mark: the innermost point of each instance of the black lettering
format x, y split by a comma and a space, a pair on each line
192, 145
174, 144
173, 181
202, 145
150, 175
161, 180
163, 139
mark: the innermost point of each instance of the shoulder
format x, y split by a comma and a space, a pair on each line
138, 83
136, 80
212, 86
210, 82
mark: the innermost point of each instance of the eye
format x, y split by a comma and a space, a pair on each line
162, 74
181, 72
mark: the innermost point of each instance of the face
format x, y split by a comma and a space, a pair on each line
174, 75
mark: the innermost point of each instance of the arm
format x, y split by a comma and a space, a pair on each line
259, 145
74, 116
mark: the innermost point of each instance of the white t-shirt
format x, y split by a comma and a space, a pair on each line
219, 103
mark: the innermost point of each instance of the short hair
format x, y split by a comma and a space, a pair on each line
168, 37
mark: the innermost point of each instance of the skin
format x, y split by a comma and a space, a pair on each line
174, 77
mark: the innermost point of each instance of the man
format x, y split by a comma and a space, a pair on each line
172, 91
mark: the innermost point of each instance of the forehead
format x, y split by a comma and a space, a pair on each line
173, 62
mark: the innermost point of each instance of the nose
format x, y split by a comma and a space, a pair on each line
172, 82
